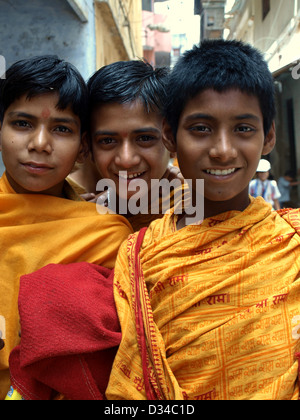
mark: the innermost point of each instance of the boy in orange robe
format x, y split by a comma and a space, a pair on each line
211, 310
43, 104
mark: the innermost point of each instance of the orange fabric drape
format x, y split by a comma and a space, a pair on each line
36, 230
221, 308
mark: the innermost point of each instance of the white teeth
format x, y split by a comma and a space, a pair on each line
129, 176
219, 172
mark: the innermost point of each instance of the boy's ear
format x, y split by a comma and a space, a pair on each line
0, 138
168, 137
84, 149
270, 140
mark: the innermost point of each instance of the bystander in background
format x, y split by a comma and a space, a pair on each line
263, 186
285, 183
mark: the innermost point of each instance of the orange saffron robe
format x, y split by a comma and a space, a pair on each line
220, 305
36, 230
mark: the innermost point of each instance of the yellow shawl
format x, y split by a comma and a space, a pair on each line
215, 313
36, 230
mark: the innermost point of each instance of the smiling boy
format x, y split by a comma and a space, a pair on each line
126, 104
43, 105
211, 311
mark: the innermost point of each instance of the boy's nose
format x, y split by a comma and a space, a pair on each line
40, 141
223, 149
127, 156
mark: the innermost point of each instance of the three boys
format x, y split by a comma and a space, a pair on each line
211, 311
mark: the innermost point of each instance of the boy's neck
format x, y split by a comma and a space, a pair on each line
56, 191
213, 208
87, 176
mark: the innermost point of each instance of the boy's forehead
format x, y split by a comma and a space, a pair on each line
45, 113
125, 116
116, 106
224, 102
42, 105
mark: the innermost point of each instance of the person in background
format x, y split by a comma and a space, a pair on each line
263, 186
285, 183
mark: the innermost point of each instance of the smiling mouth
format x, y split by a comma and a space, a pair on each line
126, 176
221, 172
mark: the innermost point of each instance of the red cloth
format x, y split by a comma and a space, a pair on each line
70, 332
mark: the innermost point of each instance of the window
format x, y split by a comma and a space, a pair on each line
147, 5
210, 20
266, 8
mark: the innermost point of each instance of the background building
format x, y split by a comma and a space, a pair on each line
156, 37
212, 18
170, 27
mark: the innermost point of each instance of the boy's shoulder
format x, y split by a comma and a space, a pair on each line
5, 185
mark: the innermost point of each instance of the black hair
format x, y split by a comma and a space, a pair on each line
45, 74
220, 65
290, 173
128, 81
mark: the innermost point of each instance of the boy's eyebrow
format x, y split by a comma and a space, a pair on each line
247, 117
18, 114
201, 115
65, 120
105, 133
21, 115
137, 131
147, 130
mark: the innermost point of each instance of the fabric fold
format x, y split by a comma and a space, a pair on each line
36, 230
221, 306
70, 333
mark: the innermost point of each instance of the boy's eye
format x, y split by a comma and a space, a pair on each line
146, 138
106, 141
21, 124
200, 128
62, 129
245, 129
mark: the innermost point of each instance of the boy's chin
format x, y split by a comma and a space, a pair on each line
42, 189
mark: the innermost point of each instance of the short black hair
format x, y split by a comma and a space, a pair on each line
128, 81
220, 65
45, 74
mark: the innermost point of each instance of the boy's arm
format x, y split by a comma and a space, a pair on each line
173, 172
276, 204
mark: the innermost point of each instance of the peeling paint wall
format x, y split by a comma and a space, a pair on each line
33, 27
